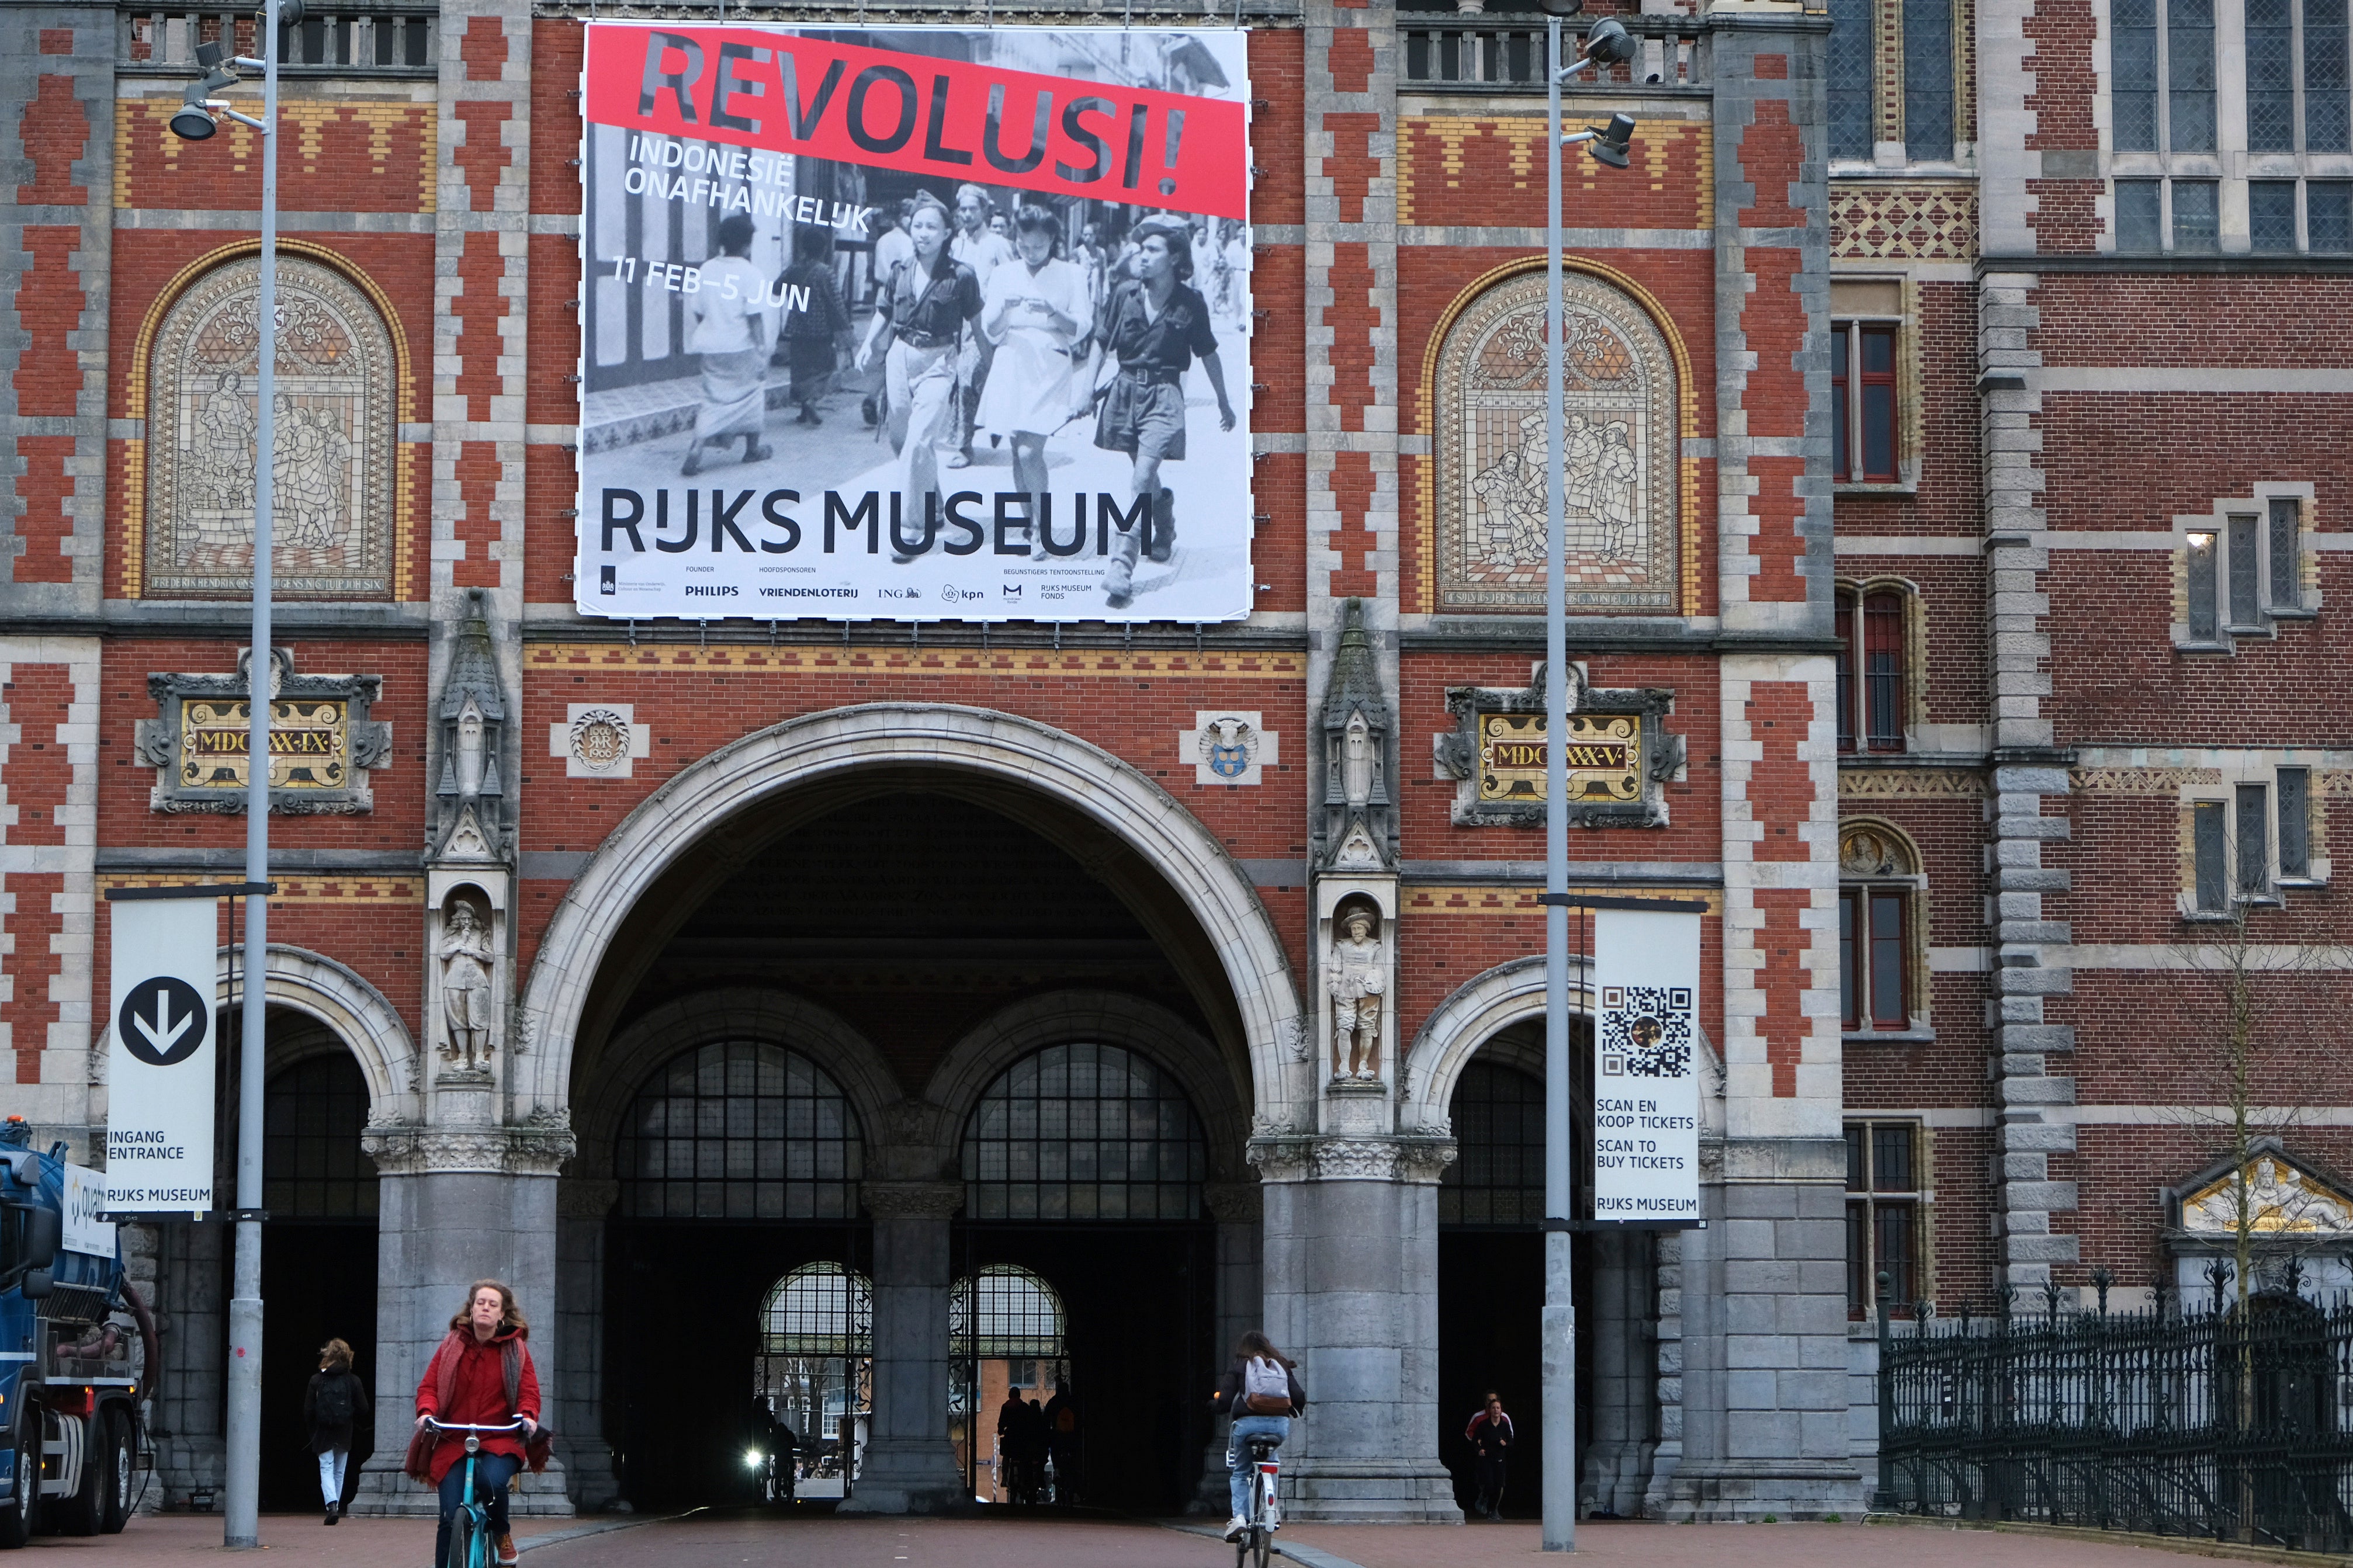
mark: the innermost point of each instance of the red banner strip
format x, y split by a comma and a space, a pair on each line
951, 120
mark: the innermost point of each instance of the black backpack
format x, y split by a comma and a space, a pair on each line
334, 1403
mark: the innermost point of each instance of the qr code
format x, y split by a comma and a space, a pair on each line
1646, 1031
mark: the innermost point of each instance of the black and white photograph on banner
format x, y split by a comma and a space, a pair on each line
915, 325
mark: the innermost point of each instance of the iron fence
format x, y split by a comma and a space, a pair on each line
2192, 1419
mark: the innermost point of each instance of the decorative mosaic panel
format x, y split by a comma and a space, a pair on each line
331, 472
1871, 221
1619, 447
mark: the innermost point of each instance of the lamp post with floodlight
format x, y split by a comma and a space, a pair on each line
1607, 42
195, 121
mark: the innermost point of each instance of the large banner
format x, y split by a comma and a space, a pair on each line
158, 1068
915, 323
1645, 1066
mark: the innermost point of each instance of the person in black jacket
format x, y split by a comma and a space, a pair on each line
333, 1405
1255, 1360
1490, 1435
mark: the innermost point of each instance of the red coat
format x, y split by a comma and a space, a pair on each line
475, 1383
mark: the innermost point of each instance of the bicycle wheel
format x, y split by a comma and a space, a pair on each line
1262, 1547
467, 1544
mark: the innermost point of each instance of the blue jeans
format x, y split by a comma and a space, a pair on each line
492, 1473
1238, 1460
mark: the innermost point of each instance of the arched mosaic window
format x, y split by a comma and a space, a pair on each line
1084, 1133
311, 1164
739, 1130
1621, 450
1497, 1176
332, 474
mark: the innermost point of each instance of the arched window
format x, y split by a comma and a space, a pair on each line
1006, 1340
1621, 424
1004, 1311
1882, 968
1497, 1176
311, 1164
1873, 657
1084, 1133
336, 423
817, 1352
739, 1130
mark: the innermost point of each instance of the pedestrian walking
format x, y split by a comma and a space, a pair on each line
481, 1376
931, 298
819, 326
1490, 1435
728, 302
334, 1404
1062, 1437
1157, 325
980, 243
1037, 312
1260, 1391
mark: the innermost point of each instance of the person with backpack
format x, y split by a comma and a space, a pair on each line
481, 1375
335, 1401
1260, 1391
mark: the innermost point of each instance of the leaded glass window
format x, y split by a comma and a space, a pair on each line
2286, 552
2140, 217
1084, 1133
2253, 825
1928, 80
2190, 80
311, 1164
1498, 1174
1851, 71
2133, 54
2196, 220
2271, 78
2245, 561
2271, 215
2327, 90
739, 1130
2329, 215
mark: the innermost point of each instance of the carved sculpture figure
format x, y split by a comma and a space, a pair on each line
1357, 976
466, 963
1356, 760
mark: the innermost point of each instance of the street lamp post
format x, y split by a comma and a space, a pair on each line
1607, 42
194, 122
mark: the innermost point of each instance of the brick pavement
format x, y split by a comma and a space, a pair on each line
733, 1540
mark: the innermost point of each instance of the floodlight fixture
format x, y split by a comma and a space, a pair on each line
1609, 43
1563, 7
1610, 144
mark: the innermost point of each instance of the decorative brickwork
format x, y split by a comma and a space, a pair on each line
1875, 221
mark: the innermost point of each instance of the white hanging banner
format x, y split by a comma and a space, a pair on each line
1645, 1066
159, 1091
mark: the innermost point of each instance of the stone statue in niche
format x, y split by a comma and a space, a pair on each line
467, 961
1357, 755
1357, 976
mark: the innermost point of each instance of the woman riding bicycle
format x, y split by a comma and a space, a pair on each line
1248, 1392
481, 1376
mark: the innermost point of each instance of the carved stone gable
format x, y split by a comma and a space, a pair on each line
471, 794
1358, 818
1622, 481
333, 478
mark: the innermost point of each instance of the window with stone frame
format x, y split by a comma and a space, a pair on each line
2245, 839
1875, 385
1888, 1191
1883, 951
2192, 178
1875, 697
1896, 82
2242, 569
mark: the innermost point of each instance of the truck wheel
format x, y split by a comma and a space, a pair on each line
84, 1509
116, 1458
16, 1513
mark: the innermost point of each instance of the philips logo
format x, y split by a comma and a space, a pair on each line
711, 590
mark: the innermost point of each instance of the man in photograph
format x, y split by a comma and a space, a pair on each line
978, 245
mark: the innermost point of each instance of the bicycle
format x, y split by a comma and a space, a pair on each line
1256, 1545
469, 1530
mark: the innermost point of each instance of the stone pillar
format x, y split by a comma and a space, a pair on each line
457, 1205
1351, 1271
1616, 1461
1236, 1207
582, 1206
909, 1466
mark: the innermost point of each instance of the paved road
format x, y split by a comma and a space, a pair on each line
299, 1541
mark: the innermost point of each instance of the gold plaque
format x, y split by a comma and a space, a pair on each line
1605, 757
308, 744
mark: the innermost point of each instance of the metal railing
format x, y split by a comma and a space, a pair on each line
2204, 1422
1478, 54
372, 40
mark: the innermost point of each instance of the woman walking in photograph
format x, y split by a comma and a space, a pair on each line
1157, 324
481, 1376
923, 313
812, 329
1037, 312
730, 333
334, 1405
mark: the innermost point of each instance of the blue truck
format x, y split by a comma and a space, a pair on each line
70, 1366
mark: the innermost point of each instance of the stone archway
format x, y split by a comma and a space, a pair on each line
369, 1026
1002, 748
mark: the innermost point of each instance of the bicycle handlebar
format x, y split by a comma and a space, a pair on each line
515, 1425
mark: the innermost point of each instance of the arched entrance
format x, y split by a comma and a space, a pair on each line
816, 1376
914, 898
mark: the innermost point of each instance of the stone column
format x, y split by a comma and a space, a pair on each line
457, 1205
1351, 1271
582, 1206
909, 1466
1616, 1461
1236, 1207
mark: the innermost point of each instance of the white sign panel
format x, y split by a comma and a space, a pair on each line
1645, 1071
85, 1201
914, 323
159, 1117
